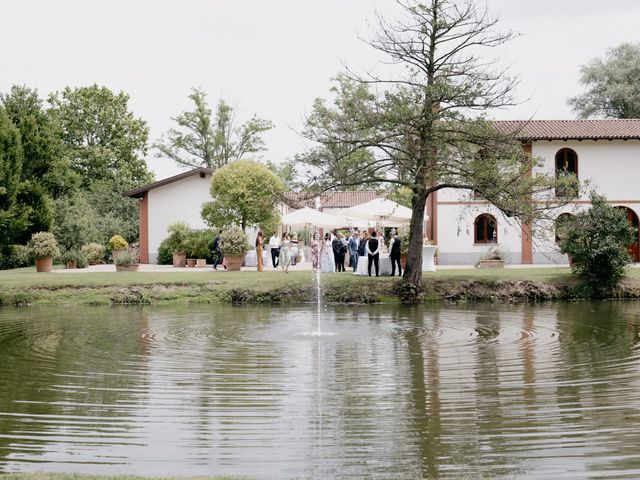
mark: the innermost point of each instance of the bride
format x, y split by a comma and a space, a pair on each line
327, 262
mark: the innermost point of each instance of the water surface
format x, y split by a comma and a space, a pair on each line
464, 392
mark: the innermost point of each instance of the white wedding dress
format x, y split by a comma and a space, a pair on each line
327, 261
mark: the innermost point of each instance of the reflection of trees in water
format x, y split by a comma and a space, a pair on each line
76, 364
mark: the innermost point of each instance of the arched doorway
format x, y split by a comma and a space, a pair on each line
634, 249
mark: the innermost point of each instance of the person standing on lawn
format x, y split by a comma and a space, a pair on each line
354, 242
374, 252
259, 249
274, 245
394, 253
217, 252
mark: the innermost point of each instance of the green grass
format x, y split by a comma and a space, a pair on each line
25, 286
77, 476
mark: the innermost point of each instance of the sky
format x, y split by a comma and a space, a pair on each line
273, 58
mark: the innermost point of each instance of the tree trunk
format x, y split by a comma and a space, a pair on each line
413, 270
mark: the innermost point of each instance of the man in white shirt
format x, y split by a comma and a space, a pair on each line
274, 244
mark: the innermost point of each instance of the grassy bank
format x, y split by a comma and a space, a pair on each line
77, 476
25, 287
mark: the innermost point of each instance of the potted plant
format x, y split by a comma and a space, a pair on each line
493, 258
234, 247
126, 262
197, 247
118, 246
403, 234
43, 248
94, 252
177, 241
74, 259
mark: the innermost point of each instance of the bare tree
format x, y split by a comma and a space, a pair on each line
422, 121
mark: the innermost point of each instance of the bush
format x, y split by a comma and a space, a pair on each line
43, 245
74, 256
199, 244
126, 260
94, 252
178, 238
234, 241
165, 254
117, 243
16, 256
597, 241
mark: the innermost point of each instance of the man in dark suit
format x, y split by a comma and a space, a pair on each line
339, 250
354, 241
394, 254
374, 253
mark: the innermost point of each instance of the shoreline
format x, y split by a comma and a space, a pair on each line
23, 287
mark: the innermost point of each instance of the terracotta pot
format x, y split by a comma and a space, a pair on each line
201, 263
191, 262
179, 259
43, 265
491, 264
116, 253
127, 268
71, 265
234, 262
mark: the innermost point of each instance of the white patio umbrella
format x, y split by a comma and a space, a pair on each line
380, 210
308, 216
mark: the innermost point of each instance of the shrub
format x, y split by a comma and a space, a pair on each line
16, 256
94, 253
199, 244
178, 238
234, 241
165, 255
75, 256
494, 253
43, 245
597, 240
117, 243
126, 259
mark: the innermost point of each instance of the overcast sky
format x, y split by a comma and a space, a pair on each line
274, 57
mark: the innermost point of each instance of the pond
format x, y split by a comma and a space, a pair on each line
393, 392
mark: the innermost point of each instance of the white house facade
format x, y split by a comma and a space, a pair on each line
603, 153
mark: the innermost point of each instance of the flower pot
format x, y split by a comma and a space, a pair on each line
116, 253
491, 264
191, 262
71, 265
201, 263
127, 268
43, 265
179, 259
234, 262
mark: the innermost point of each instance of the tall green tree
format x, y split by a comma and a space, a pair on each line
246, 194
421, 120
612, 85
203, 139
44, 162
102, 138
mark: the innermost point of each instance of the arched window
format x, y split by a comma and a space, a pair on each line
560, 224
566, 164
486, 229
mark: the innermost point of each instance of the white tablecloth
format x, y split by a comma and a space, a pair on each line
428, 251
251, 260
363, 266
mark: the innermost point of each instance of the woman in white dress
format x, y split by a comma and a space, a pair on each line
327, 262
285, 254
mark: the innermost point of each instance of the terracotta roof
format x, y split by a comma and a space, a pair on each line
627, 129
137, 192
330, 199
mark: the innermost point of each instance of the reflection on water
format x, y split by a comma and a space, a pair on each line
512, 391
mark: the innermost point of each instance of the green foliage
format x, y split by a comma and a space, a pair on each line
597, 241
117, 243
43, 245
75, 256
94, 252
101, 138
286, 172
178, 236
165, 253
15, 256
245, 193
612, 87
494, 253
203, 141
200, 243
37, 207
125, 259
234, 241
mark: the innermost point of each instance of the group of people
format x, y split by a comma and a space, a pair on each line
284, 250
330, 255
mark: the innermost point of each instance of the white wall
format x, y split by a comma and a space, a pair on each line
179, 201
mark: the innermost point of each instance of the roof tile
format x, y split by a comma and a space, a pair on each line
623, 129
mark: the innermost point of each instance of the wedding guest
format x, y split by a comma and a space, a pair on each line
217, 252
294, 248
259, 249
315, 252
373, 245
354, 242
327, 261
394, 253
339, 250
285, 253
274, 244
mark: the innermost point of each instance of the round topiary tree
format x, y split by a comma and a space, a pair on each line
597, 240
43, 248
245, 193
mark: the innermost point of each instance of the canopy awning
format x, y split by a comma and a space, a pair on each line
380, 210
308, 216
